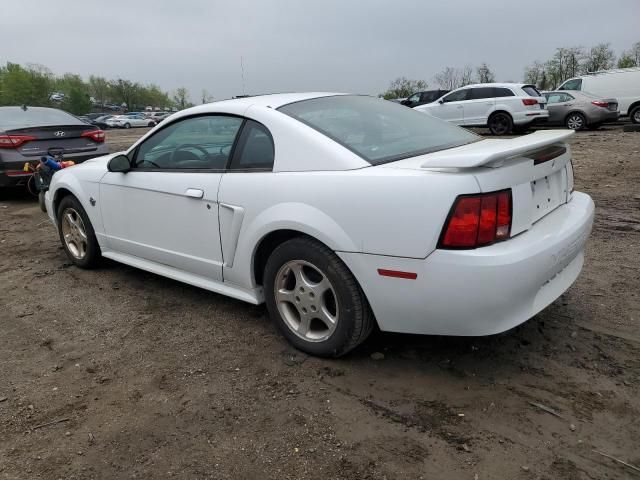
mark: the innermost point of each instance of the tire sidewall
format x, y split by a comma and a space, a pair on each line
93, 249
299, 250
507, 116
571, 115
635, 113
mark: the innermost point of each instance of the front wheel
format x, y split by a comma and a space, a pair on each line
635, 114
76, 234
575, 121
127, 125
314, 299
500, 123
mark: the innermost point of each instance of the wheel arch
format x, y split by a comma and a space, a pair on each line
500, 110
635, 104
564, 120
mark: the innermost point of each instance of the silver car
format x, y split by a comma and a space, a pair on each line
28, 133
579, 110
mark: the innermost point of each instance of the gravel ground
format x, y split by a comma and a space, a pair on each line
145, 377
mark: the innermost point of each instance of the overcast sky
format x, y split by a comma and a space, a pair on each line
288, 45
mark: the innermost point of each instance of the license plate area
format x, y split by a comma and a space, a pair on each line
547, 193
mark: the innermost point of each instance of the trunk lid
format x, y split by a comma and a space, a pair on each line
536, 167
66, 139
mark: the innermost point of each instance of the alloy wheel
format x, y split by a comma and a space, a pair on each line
500, 124
306, 300
575, 122
74, 233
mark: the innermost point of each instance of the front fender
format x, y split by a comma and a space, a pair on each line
295, 216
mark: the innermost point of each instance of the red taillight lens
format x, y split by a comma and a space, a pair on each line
529, 101
14, 141
95, 135
478, 220
598, 103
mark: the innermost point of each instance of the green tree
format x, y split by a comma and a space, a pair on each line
403, 87
99, 89
25, 86
126, 92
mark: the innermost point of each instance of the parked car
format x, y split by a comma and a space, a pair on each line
101, 122
622, 84
420, 98
578, 110
503, 107
233, 197
129, 120
28, 133
159, 116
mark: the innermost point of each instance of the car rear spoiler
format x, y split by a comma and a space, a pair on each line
492, 150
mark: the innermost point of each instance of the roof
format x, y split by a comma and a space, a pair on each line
507, 85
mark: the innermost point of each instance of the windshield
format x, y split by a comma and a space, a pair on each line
16, 117
377, 130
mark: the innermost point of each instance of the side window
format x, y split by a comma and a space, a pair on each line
456, 96
255, 148
203, 142
555, 98
481, 93
502, 92
415, 98
575, 84
567, 98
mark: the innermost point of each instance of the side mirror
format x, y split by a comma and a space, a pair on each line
119, 163
406, 103
441, 101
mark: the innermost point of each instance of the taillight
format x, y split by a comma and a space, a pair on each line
14, 141
598, 103
478, 220
529, 101
95, 135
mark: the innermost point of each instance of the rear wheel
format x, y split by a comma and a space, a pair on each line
151, 124
127, 125
76, 233
635, 114
575, 121
314, 299
500, 123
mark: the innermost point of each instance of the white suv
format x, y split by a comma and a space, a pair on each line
503, 107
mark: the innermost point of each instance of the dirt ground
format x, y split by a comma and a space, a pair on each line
150, 378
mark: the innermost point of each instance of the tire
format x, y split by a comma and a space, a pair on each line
575, 121
314, 286
82, 250
500, 123
43, 205
127, 125
151, 124
634, 114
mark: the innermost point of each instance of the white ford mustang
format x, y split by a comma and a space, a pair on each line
338, 211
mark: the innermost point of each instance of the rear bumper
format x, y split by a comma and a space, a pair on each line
604, 117
483, 291
12, 174
531, 117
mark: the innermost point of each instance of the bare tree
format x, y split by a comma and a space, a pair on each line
600, 57
536, 74
402, 87
485, 75
99, 89
466, 76
181, 98
565, 63
205, 96
449, 78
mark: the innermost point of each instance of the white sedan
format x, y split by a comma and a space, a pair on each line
130, 120
339, 212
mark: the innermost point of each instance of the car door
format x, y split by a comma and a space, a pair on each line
250, 168
480, 103
165, 209
558, 105
141, 121
450, 107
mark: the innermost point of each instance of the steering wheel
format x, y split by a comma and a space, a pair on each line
151, 162
223, 147
188, 145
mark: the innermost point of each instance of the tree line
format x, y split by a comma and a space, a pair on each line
36, 85
566, 62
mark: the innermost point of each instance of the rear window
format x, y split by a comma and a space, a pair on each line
16, 117
503, 92
377, 130
531, 90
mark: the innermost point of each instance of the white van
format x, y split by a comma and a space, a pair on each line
623, 84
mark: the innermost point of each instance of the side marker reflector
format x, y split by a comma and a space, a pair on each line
397, 274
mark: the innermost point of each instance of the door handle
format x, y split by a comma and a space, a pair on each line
194, 193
